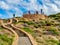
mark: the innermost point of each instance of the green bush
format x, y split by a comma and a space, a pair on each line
36, 26
49, 23
4, 38
1, 28
53, 29
28, 30
42, 23
59, 43
51, 41
28, 22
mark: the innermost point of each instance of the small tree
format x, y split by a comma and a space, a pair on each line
13, 15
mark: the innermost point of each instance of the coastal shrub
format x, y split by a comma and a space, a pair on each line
1, 28
28, 30
51, 41
5, 38
48, 23
42, 23
54, 30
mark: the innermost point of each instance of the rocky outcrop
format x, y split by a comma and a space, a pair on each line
34, 16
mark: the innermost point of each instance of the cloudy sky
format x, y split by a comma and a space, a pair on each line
9, 7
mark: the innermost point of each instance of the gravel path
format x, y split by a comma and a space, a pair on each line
24, 41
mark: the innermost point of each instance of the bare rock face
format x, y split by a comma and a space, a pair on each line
34, 16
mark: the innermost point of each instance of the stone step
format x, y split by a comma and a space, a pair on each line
24, 41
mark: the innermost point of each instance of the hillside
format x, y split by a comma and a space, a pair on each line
55, 16
44, 31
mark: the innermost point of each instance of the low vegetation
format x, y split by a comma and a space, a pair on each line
1, 28
5, 37
45, 32
4, 40
46, 29
28, 30
54, 30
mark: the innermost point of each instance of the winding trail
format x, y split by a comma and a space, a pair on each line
16, 35
21, 37
16, 19
33, 42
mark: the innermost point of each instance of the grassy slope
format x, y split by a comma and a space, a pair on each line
48, 25
4, 39
42, 24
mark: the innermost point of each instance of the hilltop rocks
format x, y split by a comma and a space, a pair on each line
35, 17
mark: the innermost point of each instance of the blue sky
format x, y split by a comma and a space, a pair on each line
9, 7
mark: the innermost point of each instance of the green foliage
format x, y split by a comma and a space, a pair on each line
55, 16
48, 23
52, 15
1, 28
55, 42
59, 43
28, 30
15, 22
4, 38
36, 26
28, 22
42, 22
53, 29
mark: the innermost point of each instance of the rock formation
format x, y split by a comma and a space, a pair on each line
35, 16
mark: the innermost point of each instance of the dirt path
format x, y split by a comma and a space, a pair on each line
16, 35
26, 39
22, 37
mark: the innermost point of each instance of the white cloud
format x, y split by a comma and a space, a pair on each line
34, 6
3, 5
0, 14
13, 1
58, 3
45, 9
48, 6
29, 6
51, 7
18, 12
55, 8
